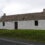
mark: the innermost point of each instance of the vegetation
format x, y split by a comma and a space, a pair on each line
34, 35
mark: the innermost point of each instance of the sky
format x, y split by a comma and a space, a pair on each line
21, 6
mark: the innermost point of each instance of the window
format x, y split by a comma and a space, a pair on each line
3, 23
36, 23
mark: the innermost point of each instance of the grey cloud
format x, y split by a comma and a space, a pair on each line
27, 5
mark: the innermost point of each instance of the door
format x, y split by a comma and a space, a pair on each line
16, 25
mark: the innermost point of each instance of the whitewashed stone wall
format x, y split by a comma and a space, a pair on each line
1, 26
31, 24
8, 25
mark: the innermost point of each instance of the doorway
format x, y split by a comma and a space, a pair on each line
16, 25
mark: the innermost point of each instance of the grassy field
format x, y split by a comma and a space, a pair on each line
34, 35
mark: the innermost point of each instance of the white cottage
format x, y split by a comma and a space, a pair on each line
23, 21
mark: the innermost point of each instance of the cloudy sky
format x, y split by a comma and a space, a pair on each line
21, 6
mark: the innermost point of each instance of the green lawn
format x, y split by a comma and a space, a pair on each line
34, 35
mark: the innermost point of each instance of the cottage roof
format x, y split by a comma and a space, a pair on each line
21, 17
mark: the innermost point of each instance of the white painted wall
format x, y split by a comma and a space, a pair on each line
8, 25
31, 24
1, 25
41, 24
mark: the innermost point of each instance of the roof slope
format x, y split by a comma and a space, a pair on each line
28, 16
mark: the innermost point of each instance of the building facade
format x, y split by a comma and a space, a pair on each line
23, 21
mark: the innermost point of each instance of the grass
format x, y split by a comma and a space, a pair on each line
34, 35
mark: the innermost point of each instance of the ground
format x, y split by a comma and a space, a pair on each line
33, 35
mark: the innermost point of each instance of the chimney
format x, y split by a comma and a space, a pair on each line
4, 15
43, 11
